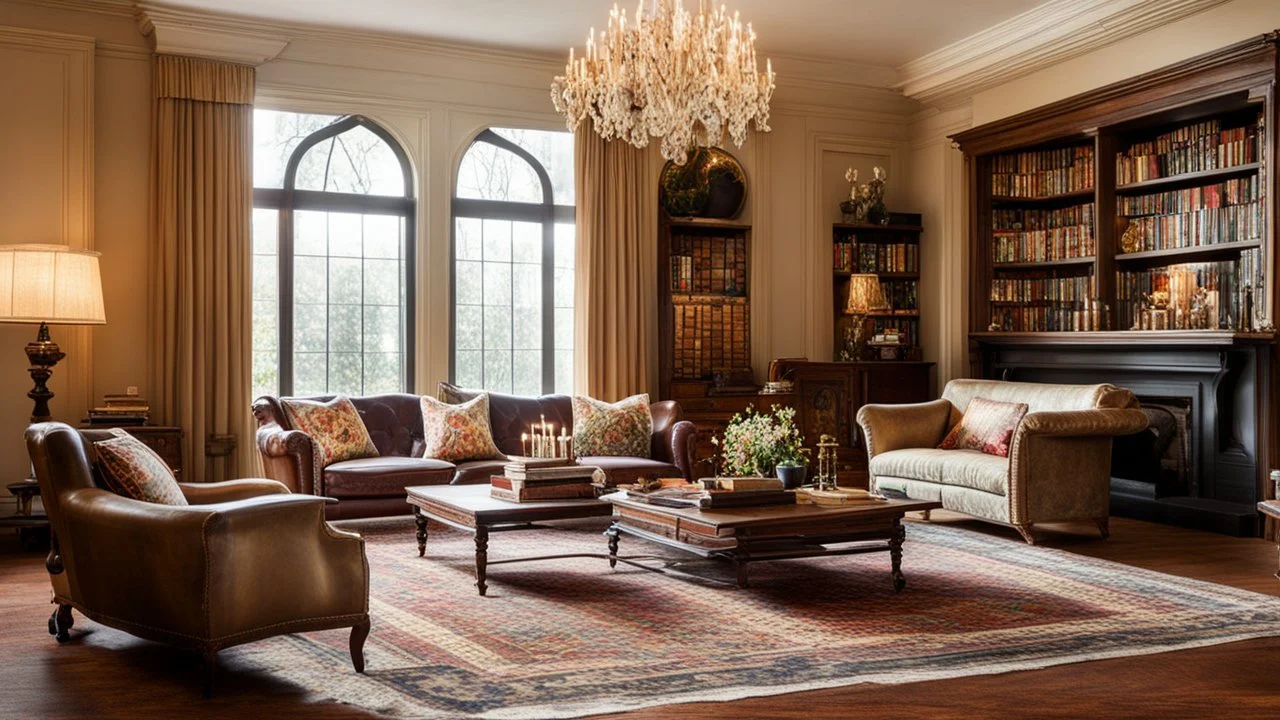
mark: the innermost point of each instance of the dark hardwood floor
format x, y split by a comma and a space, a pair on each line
111, 674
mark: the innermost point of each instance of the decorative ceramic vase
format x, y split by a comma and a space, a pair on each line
792, 476
710, 184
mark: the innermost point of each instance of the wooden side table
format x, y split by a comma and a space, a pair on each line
33, 528
1271, 508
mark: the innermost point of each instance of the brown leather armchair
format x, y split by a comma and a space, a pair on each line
244, 561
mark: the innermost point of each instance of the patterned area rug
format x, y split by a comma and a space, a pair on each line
568, 638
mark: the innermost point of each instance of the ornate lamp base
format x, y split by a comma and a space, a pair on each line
43, 353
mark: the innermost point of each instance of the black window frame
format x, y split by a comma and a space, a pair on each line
286, 199
547, 213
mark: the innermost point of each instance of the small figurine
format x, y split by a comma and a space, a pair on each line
866, 201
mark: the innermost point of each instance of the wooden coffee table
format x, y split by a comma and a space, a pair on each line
778, 532
470, 508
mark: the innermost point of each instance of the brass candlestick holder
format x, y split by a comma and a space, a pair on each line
825, 478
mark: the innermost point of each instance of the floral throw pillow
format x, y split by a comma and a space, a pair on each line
133, 470
621, 429
335, 426
987, 425
455, 433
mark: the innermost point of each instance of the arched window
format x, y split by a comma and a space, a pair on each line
513, 257
333, 228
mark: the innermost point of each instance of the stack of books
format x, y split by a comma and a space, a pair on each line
120, 409
541, 479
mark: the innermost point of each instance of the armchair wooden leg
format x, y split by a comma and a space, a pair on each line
1025, 532
359, 633
1104, 526
925, 515
60, 623
210, 669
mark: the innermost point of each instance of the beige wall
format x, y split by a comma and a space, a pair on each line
75, 173
937, 185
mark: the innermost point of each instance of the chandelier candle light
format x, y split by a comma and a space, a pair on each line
666, 74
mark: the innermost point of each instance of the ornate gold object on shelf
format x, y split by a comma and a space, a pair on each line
825, 479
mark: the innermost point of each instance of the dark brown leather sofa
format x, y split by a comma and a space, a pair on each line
374, 487
246, 560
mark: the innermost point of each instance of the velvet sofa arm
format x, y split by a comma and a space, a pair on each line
230, 490
1084, 423
292, 458
898, 427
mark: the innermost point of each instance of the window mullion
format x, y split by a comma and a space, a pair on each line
548, 303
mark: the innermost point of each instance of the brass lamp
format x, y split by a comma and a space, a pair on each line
865, 294
48, 284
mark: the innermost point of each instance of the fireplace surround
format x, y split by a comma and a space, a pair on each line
1215, 385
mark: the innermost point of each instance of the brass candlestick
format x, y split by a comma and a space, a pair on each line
826, 476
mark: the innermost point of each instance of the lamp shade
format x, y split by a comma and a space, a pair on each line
865, 294
50, 283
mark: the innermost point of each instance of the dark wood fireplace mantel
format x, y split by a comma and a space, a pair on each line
1223, 378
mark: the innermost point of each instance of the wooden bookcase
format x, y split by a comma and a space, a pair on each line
893, 253
1162, 153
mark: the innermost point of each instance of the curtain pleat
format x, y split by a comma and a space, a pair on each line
201, 303
616, 305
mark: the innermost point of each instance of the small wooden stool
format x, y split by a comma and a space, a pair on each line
1271, 508
33, 530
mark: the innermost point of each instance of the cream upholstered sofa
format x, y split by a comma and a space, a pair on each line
1059, 459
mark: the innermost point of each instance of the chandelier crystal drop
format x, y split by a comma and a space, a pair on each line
667, 74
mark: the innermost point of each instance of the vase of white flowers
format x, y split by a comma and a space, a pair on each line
762, 444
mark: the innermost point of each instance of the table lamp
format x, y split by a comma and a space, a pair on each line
865, 295
48, 284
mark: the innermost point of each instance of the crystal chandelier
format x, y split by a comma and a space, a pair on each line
669, 75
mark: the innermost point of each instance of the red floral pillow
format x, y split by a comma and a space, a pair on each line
335, 426
987, 425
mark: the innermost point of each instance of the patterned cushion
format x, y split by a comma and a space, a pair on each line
335, 426
133, 470
987, 425
455, 433
621, 429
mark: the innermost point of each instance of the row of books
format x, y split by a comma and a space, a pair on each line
709, 265
876, 257
1043, 245
1043, 289
1078, 318
1028, 219
901, 294
1208, 226
1043, 172
1224, 284
1191, 148
711, 337
908, 329
1238, 191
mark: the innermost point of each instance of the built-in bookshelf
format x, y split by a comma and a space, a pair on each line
1156, 222
1127, 235
891, 252
704, 304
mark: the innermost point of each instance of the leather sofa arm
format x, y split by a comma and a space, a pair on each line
897, 427
1084, 423
230, 490
682, 435
292, 458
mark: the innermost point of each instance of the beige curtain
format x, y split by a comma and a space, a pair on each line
201, 310
616, 300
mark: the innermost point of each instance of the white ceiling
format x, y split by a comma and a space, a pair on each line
881, 32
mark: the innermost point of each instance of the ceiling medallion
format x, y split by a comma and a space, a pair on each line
670, 75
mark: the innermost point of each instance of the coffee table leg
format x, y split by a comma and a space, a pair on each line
482, 557
420, 518
740, 558
896, 537
613, 534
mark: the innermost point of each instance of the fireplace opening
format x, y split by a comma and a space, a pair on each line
1156, 462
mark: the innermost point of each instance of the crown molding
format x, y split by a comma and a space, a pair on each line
174, 34
1045, 35
116, 8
